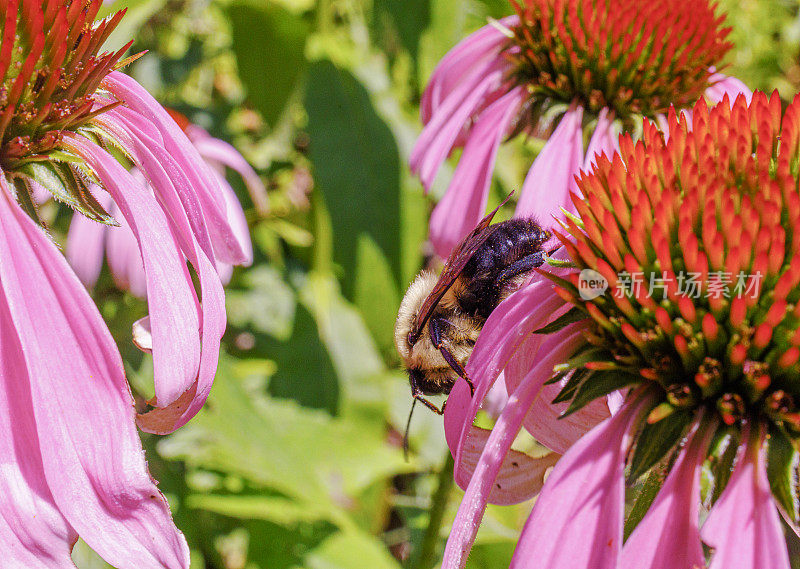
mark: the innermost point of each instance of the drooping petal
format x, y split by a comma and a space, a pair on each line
86, 242
206, 186
744, 527
668, 537
465, 201
461, 63
439, 135
577, 519
90, 451
507, 329
722, 85
237, 221
501, 475
124, 257
552, 177
33, 532
604, 141
545, 422
171, 298
216, 150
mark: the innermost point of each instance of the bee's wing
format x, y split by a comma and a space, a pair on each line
453, 267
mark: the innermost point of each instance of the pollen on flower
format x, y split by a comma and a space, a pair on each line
617, 54
50, 67
708, 212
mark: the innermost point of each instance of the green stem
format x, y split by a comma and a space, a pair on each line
428, 557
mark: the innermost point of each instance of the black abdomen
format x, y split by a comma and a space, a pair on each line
514, 247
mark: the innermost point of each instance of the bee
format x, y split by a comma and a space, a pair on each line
440, 318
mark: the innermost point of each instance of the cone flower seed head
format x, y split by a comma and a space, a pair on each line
693, 236
616, 55
51, 67
713, 205
569, 70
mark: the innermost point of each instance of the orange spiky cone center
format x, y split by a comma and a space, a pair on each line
631, 56
50, 68
717, 204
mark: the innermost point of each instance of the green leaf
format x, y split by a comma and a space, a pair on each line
277, 509
305, 375
269, 44
351, 549
782, 461
601, 383
342, 330
572, 315
656, 440
67, 186
403, 20
356, 168
376, 294
320, 462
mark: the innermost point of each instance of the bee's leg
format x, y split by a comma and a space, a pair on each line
417, 394
523, 265
436, 327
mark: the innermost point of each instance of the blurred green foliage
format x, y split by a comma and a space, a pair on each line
296, 461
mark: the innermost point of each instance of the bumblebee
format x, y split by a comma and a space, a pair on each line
440, 318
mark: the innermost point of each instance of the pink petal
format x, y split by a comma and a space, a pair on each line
86, 242
440, 134
216, 150
125, 259
183, 372
743, 527
577, 519
205, 185
724, 85
604, 141
507, 328
500, 475
464, 204
552, 177
495, 400
238, 222
461, 63
556, 348
32, 530
668, 537
91, 457
545, 423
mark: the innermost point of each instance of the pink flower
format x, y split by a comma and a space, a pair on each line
72, 463
88, 240
714, 202
576, 61
71, 456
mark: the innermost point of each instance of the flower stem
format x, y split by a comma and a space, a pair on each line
427, 556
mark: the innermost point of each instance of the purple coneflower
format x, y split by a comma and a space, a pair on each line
72, 462
594, 65
683, 294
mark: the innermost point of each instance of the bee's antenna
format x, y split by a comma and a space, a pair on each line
408, 426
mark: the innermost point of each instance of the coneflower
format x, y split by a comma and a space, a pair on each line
72, 460
683, 296
567, 67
